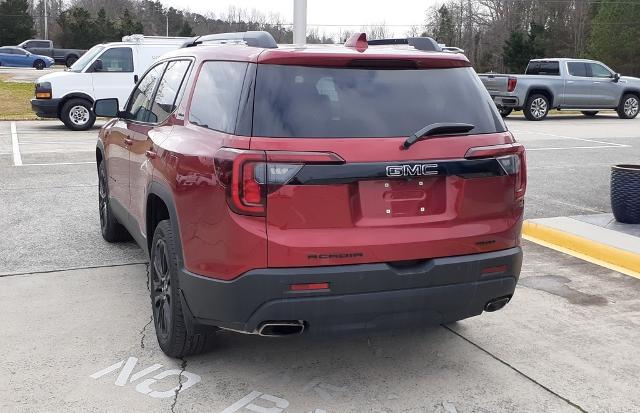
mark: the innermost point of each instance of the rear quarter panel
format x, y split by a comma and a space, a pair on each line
215, 241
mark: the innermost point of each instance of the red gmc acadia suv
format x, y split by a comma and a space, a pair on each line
321, 189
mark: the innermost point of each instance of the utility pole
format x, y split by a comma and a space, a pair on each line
299, 21
167, 16
46, 22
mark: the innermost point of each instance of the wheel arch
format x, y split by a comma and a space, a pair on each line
160, 205
630, 91
542, 90
73, 95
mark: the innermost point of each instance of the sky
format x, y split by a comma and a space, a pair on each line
327, 12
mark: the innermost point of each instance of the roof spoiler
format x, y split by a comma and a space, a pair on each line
254, 39
359, 41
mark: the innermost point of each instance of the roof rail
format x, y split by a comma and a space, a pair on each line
420, 43
254, 39
140, 38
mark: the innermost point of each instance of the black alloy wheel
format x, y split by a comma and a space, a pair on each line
161, 290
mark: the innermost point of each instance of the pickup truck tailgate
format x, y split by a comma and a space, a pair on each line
495, 84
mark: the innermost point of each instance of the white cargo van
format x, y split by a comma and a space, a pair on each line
108, 70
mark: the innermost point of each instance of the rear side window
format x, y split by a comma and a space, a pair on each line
141, 97
217, 95
544, 68
166, 98
296, 101
117, 59
577, 69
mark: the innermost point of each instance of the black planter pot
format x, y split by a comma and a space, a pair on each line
625, 193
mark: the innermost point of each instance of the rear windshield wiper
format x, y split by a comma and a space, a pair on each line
437, 129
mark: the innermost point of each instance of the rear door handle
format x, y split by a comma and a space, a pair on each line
128, 141
150, 154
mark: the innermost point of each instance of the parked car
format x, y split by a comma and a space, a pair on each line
347, 188
586, 85
16, 57
45, 48
108, 70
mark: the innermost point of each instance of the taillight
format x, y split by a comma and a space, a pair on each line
511, 84
249, 176
235, 171
512, 159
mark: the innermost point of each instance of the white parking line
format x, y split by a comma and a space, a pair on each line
15, 144
58, 163
603, 145
577, 147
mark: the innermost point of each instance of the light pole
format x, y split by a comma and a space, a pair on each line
167, 16
299, 21
46, 22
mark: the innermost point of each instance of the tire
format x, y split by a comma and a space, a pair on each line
629, 106
111, 229
77, 114
537, 107
590, 113
504, 112
168, 318
70, 60
39, 64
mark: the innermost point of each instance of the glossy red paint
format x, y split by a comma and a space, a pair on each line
361, 222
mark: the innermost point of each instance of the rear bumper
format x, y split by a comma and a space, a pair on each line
361, 297
506, 101
45, 108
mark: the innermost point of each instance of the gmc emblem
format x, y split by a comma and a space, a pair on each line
413, 170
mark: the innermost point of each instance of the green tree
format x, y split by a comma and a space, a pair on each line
445, 31
128, 25
16, 24
520, 47
105, 28
77, 30
612, 41
186, 30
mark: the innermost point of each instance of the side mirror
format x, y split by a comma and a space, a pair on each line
97, 66
616, 77
108, 108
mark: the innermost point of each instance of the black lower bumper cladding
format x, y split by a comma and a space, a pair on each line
360, 297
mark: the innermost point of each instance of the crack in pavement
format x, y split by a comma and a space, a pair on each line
531, 379
91, 267
143, 332
183, 367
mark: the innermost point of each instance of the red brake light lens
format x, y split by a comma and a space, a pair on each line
249, 176
511, 84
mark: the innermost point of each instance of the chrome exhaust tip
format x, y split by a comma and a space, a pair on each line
281, 328
496, 304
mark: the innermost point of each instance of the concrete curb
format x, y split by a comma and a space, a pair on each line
605, 254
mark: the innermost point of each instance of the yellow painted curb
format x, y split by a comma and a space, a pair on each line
604, 255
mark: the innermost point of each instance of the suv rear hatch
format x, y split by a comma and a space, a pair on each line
337, 186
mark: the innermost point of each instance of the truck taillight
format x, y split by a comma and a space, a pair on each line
249, 176
511, 84
512, 159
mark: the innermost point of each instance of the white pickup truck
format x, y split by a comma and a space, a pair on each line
585, 85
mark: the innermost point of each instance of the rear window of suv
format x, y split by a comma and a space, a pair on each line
314, 102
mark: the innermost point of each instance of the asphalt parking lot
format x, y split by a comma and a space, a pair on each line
78, 337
